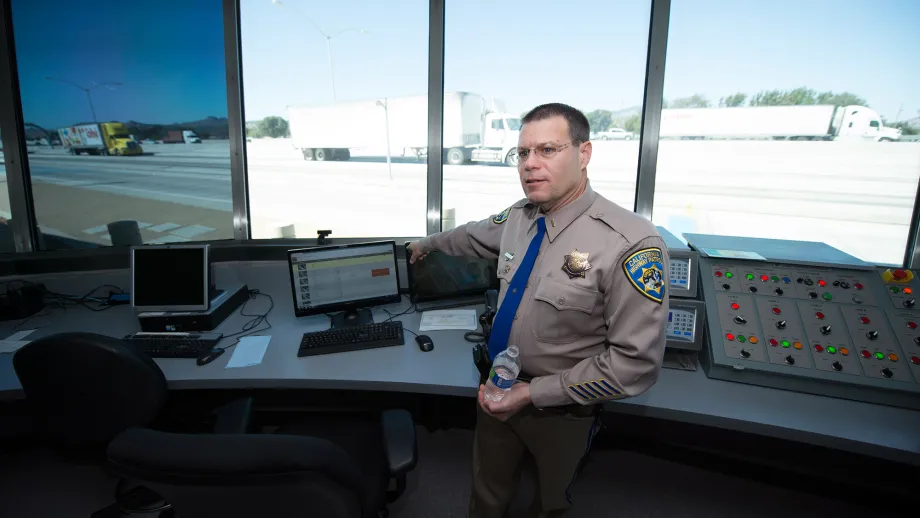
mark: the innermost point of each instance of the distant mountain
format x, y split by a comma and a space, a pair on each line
210, 127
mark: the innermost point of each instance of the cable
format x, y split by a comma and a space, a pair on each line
251, 326
412, 309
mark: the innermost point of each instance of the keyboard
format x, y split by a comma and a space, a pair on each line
355, 338
174, 345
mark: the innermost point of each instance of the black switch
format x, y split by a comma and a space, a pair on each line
778, 291
825, 330
781, 324
726, 287
745, 354
845, 285
909, 303
872, 335
812, 294
887, 372
740, 320
837, 366
753, 289
808, 282
790, 360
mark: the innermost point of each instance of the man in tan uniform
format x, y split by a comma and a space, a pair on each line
589, 317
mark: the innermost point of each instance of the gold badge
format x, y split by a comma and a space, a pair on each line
576, 264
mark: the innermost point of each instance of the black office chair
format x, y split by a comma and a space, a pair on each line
277, 475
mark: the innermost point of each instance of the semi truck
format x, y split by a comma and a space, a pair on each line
475, 130
181, 136
801, 122
104, 138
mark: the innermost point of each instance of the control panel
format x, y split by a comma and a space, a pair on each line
686, 313
837, 331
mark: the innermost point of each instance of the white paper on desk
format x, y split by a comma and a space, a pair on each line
15, 341
448, 319
249, 351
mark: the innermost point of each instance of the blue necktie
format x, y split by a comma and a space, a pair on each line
501, 325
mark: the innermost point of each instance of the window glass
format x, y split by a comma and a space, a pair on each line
6, 231
549, 58
336, 117
126, 115
763, 137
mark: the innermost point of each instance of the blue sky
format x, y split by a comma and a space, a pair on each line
590, 54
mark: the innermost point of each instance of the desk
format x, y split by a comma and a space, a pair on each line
874, 430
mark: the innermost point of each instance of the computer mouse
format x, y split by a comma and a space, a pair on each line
207, 357
424, 343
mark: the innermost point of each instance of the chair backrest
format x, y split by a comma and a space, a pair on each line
205, 475
85, 388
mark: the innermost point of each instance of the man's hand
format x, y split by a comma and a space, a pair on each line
417, 252
515, 399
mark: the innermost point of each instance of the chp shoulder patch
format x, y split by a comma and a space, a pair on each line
645, 271
501, 217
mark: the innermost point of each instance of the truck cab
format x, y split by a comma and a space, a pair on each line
118, 141
500, 132
859, 122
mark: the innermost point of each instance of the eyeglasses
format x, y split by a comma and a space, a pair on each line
545, 151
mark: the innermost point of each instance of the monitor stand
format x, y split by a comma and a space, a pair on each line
351, 317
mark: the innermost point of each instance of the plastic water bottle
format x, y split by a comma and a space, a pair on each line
505, 370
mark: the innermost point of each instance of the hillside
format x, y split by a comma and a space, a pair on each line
210, 127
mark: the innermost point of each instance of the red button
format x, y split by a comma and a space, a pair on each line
859, 286
822, 283
819, 315
735, 305
915, 360
730, 337
776, 311
764, 278
864, 320
899, 274
718, 274
866, 354
773, 342
912, 325
819, 348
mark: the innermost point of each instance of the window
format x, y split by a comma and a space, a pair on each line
7, 244
760, 138
126, 112
493, 82
336, 111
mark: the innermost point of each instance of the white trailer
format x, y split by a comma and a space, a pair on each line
474, 131
802, 122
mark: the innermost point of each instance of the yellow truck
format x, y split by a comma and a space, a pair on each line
104, 138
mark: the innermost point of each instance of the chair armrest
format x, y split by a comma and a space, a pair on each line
234, 416
399, 441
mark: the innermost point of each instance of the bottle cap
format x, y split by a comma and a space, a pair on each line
512, 351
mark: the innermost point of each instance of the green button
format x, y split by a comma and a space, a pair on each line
785, 343
894, 289
728, 275
750, 276
741, 338
827, 296
880, 356
775, 278
832, 349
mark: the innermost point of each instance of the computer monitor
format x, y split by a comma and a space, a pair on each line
440, 276
170, 277
344, 278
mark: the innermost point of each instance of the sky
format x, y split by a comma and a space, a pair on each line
169, 58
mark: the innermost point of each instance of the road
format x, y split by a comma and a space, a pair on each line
856, 196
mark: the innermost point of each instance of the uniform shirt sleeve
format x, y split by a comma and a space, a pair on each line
636, 333
477, 238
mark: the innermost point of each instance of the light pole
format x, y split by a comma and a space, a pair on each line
328, 38
89, 97
386, 118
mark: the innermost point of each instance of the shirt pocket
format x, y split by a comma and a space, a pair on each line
562, 313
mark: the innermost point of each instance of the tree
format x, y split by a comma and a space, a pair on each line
600, 120
274, 127
694, 101
803, 95
733, 100
633, 124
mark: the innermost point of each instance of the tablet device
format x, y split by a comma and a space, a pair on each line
440, 276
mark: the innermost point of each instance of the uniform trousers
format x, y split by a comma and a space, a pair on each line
557, 438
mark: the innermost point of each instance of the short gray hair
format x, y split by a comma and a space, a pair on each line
579, 129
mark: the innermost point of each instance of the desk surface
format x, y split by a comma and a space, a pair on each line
689, 396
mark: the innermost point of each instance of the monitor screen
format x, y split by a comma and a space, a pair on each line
441, 276
170, 278
343, 277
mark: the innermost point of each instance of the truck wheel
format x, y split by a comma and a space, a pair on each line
344, 154
307, 153
321, 155
512, 159
455, 156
